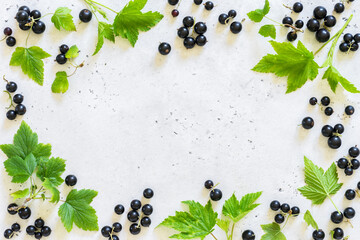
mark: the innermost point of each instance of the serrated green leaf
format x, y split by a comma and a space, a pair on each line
197, 223
63, 19
272, 232
30, 60
297, 64
77, 210
236, 209
50, 184
42, 150
73, 52
105, 30
20, 169
130, 20
308, 218
20, 194
61, 83
319, 185
334, 78
268, 31
224, 224
258, 14
51, 169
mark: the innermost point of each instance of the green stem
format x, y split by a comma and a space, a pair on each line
274, 21
334, 204
102, 5
11, 101
213, 236
287, 219
232, 231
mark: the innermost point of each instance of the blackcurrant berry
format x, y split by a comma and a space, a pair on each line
209, 5
215, 194
173, 2
358, 185
7, 31
279, 218
15, 227
288, 21
135, 204
201, 40
343, 163
145, 222
329, 111
22, 16
322, 35
275, 205
18, 98
209, 184
175, 13
349, 213
70, 180
298, 7
337, 217
338, 233
8, 233
133, 216
64, 48
327, 131
232, 13
10, 41
20, 109
348, 171
200, 28
183, 32
36, 14
24, 8
39, 223
334, 142
198, 2
147, 209
354, 47
339, 7
117, 227
223, 18
354, 152
148, 193
11, 115
106, 231
320, 12
325, 101
24, 213
299, 24
291, 36
348, 37
350, 194
339, 128
113, 237
46, 231
61, 59
313, 101
119, 209
11, 207
330, 21
236, 27
30, 230
313, 25
85, 15
307, 123
164, 48
285, 208
349, 110
38, 235
344, 47
248, 235
135, 229
188, 21
295, 211
318, 234
39, 27
24, 26
189, 42
357, 38
355, 164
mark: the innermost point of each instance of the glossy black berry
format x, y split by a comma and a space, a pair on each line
357, 38
39, 223
275, 205
183, 32
135, 204
330, 21
349, 213
313, 101
343, 163
339, 128
175, 13
164, 48
145, 222
295, 211
201, 40
285, 208
358, 185
355, 164
354, 152
117, 227
235, 27
64, 48
119, 209
348, 37
322, 35
46, 231
148, 193
336, 217
173, 2
299, 24
318, 234
344, 47
106, 231
24, 8
30, 230
39, 27
334, 142
85, 15
313, 25
147, 209
7, 31
288, 21
61, 59
198, 2
36, 14
327, 131
325, 101
348, 171
18, 98
209, 184
209, 5
200, 28
22, 16
298, 7
248, 235
113, 237
15, 227
189, 42
24, 213
232, 13
8, 233
349, 110
354, 46
215, 194
279, 218
320, 12
11, 210
338, 233
339, 7
135, 229
329, 111
223, 18
11, 115
70, 180
291, 36
10, 41
24, 26
350, 194
307, 123
188, 21
133, 216
38, 235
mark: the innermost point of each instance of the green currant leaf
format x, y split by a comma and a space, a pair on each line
51, 169
130, 20
20, 194
61, 83
105, 30
334, 78
272, 232
20, 169
308, 218
258, 14
50, 184
30, 60
73, 52
42, 150
223, 224
268, 31
63, 19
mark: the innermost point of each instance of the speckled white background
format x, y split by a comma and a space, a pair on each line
134, 119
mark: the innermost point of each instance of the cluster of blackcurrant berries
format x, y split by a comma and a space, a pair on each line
337, 217
288, 22
38, 230
30, 19
333, 133
235, 27
9, 233
322, 34
61, 58
20, 109
350, 42
350, 194
352, 164
23, 212
285, 209
10, 40
85, 15
109, 232
215, 193
175, 12
199, 28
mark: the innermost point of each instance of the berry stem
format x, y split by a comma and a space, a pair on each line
11, 101
288, 7
213, 236
334, 204
91, 2
287, 219
232, 231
